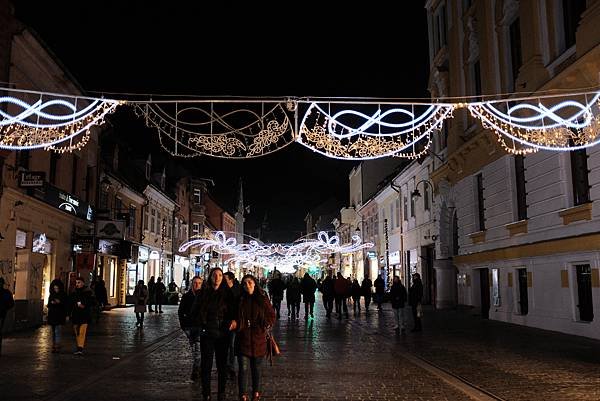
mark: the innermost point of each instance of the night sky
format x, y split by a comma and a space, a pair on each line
293, 49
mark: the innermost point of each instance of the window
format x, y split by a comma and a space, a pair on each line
153, 220
480, 201
439, 28
476, 73
426, 196
132, 219
572, 10
118, 207
196, 229
397, 212
412, 206
516, 56
405, 200
146, 220
104, 200
455, 246
392, 225
23, 158
579, 176
520, 184
53, 167
197, 196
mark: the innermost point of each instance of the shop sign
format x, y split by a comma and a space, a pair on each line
41, 244
32, 179
21, 240
142, 254
371, 254
83, 243
154, 255
110, 229
64, 201
395, 258
108, 247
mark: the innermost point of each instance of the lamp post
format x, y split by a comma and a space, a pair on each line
416, 194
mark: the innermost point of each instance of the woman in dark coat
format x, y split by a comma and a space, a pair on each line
140, 297
57, 313
214, 312
256, 315
398, 299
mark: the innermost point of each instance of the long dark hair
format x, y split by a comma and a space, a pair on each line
210, 295
258, 299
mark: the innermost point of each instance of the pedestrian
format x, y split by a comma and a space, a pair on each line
328, 294
7, 302
173, 286
189, 327
159, 289
276, 288
367, 292
81, 300
415, 297
234, 287
255, 317
140, 297
379, 291
101, 294
308, 285
214, 313
293, 298
398, 300
341, 289
57, 313
151, 294
355, 290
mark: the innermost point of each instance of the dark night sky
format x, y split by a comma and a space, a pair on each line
296, 49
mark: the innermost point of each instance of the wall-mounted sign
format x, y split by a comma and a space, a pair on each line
32, 179
143, 254
395, 258
109, 247
21, 239
371, 254
154, 255
64, 201
41, 244
110, 229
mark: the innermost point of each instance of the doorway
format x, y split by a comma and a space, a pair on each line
523, 294
584, 292
484, 283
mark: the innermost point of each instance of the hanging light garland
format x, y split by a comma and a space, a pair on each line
36, 120
389, 130
354, 129
559, 122
219, 129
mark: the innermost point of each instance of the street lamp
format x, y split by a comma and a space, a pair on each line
416, 194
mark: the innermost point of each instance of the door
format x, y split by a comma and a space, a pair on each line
584, 292
484, 280
523, 295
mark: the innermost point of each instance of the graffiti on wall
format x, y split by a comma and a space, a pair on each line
7, 271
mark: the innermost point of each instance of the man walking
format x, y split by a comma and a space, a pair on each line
81, 312
415, 296
308, 287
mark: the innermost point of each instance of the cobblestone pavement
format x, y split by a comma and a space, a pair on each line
360, 358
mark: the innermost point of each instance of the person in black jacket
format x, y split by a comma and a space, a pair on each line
415, 296
234, 287
214, 312
191, 330
308, 285
160, 289
379, 291
7, 302
293, 298
328, 294
81, 300
57, 313
276, 288
398, 299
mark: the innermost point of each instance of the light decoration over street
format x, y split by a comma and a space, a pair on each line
303, 251
558, 122
229, 129
34, 120
350, 129
401, 130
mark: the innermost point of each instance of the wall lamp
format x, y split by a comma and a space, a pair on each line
416, 194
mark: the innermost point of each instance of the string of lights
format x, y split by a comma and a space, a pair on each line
350, 129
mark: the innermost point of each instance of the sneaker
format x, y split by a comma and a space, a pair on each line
78, 352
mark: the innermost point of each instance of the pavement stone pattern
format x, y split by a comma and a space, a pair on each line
360, 358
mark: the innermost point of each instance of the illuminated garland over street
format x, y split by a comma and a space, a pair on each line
301, 252
41, 120
388, 131
354, 129
188, 129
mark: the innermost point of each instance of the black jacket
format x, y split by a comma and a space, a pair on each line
398, 295
58, 307
81, 315
415, 292
213, 311
185, 309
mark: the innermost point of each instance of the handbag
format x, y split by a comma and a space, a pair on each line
272, 347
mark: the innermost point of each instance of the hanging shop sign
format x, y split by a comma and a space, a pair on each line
143, 254
64, 201
395, 258
110, 229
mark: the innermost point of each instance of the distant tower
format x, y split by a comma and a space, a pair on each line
239, 216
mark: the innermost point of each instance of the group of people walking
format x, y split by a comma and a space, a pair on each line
211, 314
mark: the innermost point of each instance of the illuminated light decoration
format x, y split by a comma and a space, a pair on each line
390, 130
219, 128
83, 140
49, 119
563, 126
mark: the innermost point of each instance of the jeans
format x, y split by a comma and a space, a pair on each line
249, 365
340, 301
56, 332
193, 336
367, 301
328, 303
217, 347
356, 303
416, 318
139, 316
309, 307
277, 305
231, 352
400, 318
